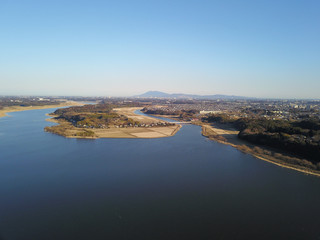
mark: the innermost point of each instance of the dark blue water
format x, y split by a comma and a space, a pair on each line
182, 187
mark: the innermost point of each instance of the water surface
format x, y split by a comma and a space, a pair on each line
181, 187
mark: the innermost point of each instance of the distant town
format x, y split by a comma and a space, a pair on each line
291, 109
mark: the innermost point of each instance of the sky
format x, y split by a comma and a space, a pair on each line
256, 48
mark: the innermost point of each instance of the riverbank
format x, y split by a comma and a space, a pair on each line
66, 129
226, 134
229, 136
4, 111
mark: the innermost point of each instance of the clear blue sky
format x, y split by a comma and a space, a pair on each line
252, 48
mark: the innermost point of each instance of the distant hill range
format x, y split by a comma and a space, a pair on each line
157, 94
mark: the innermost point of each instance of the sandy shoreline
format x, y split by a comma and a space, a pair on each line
4, 111
229, 137
66, 129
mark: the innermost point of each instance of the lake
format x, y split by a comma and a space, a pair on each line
181, 187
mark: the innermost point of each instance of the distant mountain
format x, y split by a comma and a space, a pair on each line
157, 94
153, 94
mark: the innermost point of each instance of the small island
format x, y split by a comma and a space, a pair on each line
107, 120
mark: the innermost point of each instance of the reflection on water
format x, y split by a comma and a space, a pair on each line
182, 187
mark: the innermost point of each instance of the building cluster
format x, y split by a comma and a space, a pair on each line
104, 126
156, 124
269, 109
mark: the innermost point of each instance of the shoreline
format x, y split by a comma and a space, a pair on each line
246, 148
66, 129
215, 134
229, 137
5, 110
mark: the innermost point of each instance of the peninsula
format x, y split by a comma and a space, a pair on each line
106, 120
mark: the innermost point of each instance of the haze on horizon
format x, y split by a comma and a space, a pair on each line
266, 49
